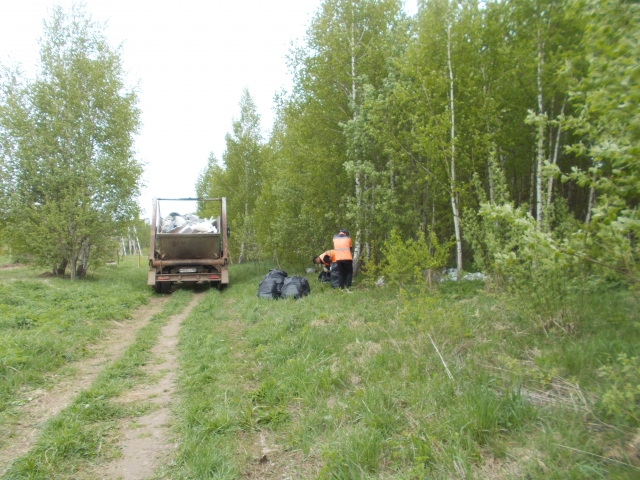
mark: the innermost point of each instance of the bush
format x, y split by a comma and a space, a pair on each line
408, 262
544, 271
621, 399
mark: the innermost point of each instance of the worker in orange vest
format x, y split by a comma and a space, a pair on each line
325, 259
343, 257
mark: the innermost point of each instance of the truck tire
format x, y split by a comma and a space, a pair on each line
165, 287
157, 287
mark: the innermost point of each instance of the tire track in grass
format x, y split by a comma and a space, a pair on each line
41, 405
146, 443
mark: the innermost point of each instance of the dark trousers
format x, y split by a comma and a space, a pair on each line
345, 272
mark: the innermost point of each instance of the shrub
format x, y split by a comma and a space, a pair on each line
408, 262
621, 399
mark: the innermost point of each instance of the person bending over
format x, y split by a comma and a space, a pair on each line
325, 259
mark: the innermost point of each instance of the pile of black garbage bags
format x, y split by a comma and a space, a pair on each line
278, 284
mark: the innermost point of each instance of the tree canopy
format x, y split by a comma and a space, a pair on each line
422, 125
69, 176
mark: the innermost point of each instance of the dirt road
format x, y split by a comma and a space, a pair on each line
41, 405
146, 444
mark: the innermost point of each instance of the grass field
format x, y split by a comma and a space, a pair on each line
350, 385
464, 381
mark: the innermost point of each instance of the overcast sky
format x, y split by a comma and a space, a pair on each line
190, 61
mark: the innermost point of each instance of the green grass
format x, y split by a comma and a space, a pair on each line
349, 385
46, 323
82, 435
343, 385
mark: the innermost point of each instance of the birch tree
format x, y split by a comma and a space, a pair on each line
452, 174
67, 142
239, 178
349, 41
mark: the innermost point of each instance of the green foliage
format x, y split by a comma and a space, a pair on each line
407, 262
608, 122
541, 268
621, 399
69, 178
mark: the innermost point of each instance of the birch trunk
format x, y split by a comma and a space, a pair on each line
540, 136
533, 179
73, 260
60, 268
83, 258
358, 182
244, 231
454, 200
491, 191
592, 198
365, 218
555, 154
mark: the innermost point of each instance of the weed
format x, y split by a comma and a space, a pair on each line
621, 398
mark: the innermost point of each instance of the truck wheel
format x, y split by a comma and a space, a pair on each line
162, 287
215, 285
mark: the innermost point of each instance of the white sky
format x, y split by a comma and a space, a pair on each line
190, 59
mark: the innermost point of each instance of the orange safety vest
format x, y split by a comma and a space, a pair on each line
331, 254
342, 247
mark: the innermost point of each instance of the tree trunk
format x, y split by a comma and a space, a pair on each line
358, 181
60, 268
454, 200
540, 135
532, 188
358, 244
555, 154
491, 191
83, 258
244, 231
592, 198
73, 267
367, 232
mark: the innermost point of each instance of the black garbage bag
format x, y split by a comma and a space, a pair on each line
295, 287
271, 284
324, 277
335, 275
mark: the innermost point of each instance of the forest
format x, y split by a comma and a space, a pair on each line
502, 134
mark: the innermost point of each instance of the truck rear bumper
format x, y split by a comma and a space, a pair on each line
153, 277
155, 262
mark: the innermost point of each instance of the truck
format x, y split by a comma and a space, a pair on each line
188, 257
